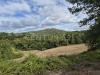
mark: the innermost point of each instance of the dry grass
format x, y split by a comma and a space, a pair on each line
64, 50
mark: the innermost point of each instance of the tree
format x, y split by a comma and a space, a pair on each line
92, 9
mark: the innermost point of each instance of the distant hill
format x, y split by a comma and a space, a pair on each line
50, 31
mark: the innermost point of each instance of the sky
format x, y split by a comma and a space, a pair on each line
33, 15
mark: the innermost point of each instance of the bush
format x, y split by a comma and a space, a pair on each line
6, 50
33, 66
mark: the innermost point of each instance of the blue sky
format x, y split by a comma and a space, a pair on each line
32, 15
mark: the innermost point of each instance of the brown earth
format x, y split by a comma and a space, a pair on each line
64, 50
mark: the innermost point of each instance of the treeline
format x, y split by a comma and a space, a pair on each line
42, 40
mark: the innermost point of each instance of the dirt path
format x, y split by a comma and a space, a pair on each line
64, 50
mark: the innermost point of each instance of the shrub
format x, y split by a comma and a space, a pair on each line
6, 51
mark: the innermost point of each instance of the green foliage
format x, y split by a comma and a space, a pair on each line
42, 40
42, 66
94, 41
92, 9
56, 64
6, 50
33, 66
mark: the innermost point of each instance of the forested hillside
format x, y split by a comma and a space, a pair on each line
44, 39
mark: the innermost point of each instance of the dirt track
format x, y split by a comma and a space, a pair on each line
64, 50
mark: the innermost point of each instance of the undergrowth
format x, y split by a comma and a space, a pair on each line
41, 66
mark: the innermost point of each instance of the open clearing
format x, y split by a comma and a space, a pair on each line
63, 50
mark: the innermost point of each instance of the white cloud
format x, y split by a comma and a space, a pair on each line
13, 23
12, 7
47, 13
56, 14
44, 2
